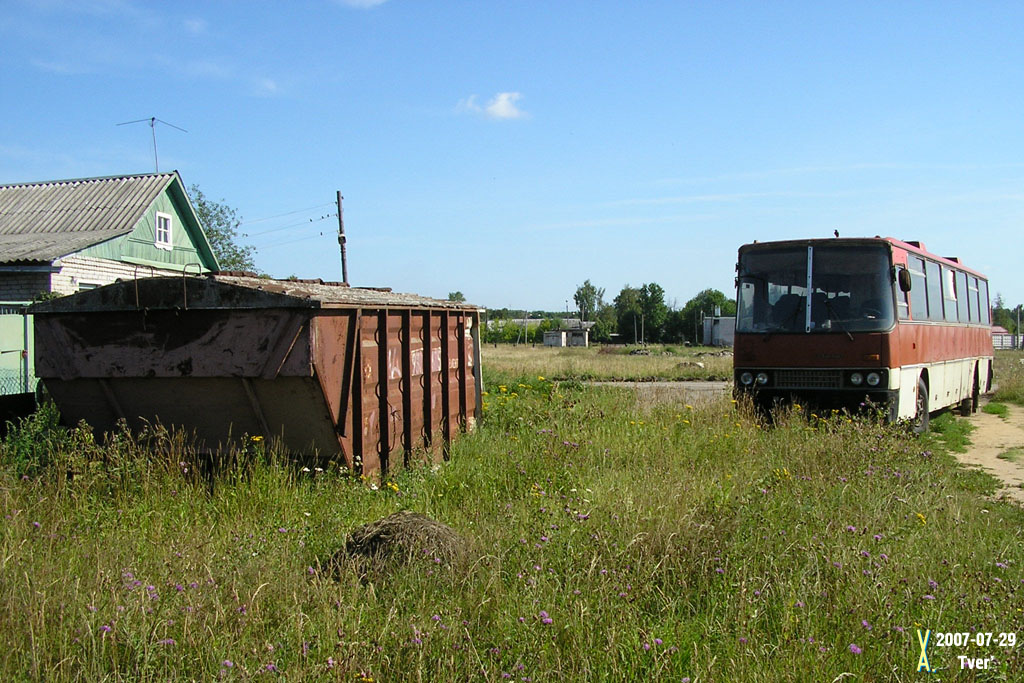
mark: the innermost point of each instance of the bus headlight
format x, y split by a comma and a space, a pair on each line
856, 379
746, 379
874, 378
762, 378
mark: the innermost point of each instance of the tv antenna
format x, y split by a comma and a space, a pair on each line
152, 121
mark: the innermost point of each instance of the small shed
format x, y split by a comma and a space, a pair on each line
571, 332
719, 331
368, 376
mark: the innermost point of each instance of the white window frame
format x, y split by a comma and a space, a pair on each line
161, 241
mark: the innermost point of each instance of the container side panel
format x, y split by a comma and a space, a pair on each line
369, 377
395, 404
297, 414
171, 344
329, 336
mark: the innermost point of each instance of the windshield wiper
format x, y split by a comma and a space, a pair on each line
833, 316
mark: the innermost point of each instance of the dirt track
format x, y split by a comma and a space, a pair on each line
993, 436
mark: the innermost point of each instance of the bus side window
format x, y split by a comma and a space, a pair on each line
918, 290
903, 297
949, 295
972, 296
931, 273
983, 297
963, 309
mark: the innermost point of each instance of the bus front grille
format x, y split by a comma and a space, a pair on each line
808, 379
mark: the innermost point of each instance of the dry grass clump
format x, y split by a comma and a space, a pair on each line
401, 538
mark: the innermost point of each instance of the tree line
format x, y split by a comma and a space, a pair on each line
636, 315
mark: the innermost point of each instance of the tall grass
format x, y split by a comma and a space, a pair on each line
1009, 370
610, 540
609, 362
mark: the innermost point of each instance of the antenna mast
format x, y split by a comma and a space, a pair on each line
152, 121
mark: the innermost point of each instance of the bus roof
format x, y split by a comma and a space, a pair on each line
910, 246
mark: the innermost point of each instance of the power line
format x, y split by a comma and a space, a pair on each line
287, 213
293, 225
292, 240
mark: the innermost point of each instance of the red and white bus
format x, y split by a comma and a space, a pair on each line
839, 323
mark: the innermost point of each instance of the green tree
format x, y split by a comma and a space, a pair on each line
653, 311
627, 313
456, 296
606, 323
688, 322
1003, 316
220, 223
588, 300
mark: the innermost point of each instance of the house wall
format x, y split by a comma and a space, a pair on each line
21, 287
138, 246
83, 270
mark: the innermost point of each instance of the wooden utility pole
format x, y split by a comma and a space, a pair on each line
341, 241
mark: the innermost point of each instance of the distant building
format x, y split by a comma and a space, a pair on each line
719, 331
1003, 339
571, 332
65, 236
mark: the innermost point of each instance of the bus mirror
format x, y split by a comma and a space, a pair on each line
903, 276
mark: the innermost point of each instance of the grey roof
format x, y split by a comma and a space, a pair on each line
337, 295
40, 222
236, 291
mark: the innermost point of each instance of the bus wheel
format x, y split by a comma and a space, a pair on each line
920, 421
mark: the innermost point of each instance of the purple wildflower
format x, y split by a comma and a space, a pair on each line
166, 641
854, 649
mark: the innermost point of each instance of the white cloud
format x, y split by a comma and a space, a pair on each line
195, 27
361, 4
501, 106
266, 87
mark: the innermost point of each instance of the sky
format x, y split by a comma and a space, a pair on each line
511, 150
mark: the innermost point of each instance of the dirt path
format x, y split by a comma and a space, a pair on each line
993, 436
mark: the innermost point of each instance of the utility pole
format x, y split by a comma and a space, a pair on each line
341, 241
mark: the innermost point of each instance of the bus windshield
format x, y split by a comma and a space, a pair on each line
850, 289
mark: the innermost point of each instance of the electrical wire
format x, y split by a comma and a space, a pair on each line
282, 215
292, 225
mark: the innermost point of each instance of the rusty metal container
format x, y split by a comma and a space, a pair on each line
369, 376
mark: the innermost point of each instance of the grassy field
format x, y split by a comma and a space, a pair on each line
608, 540
609, 362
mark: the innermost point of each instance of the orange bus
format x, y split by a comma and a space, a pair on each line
846, 323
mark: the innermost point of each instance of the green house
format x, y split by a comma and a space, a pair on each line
64, 236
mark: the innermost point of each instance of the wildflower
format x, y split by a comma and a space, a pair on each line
257, 438
166, 641
921, 518
743, 640
1001, 565
928, 597
657, 641
854, 649
227, 664
865, 624
933, 585
647, 647
106, 629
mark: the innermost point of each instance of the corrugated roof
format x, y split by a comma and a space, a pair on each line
335, 294
46, 220
235, 291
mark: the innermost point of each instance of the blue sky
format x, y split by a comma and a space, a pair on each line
511, 150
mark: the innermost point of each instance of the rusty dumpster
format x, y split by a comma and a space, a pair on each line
368, 376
